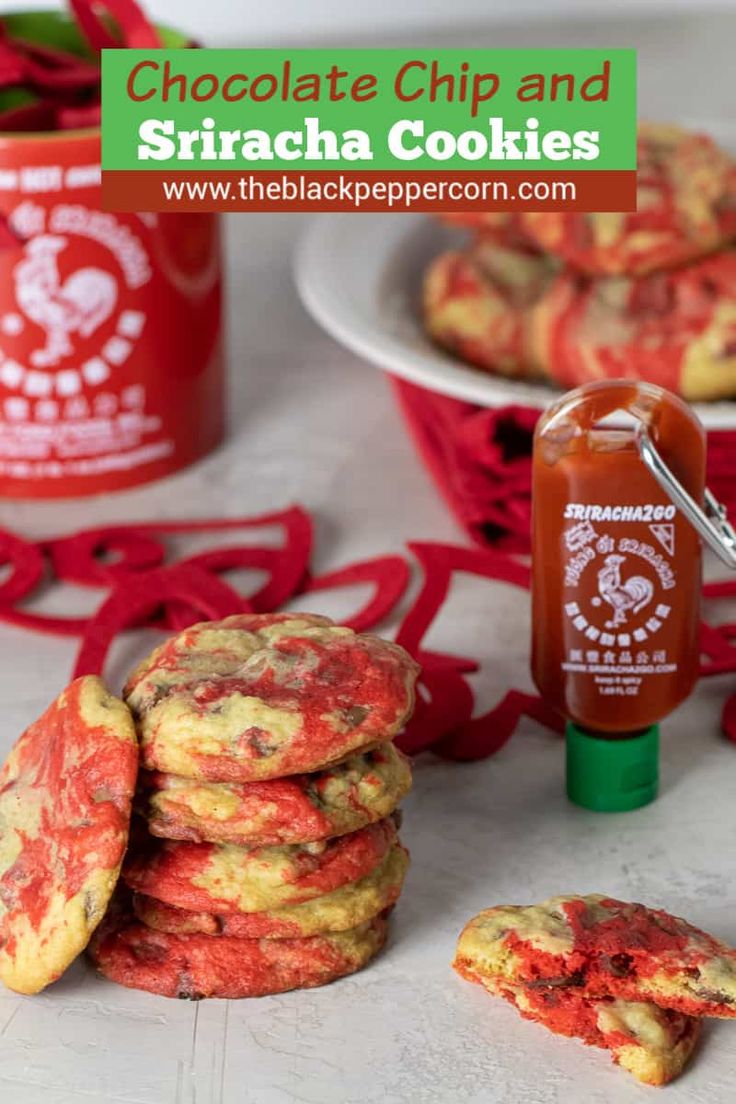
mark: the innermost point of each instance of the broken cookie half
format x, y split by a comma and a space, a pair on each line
632, 979
654, 1044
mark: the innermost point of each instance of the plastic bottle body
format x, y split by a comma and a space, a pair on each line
616, 567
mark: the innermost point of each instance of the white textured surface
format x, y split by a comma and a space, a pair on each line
310, 424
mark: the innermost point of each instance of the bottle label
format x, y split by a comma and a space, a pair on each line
71, 317
618, 584
109, 329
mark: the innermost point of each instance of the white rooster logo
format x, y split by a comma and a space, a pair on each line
78, 305
633, 594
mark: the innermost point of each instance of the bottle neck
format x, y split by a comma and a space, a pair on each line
612, 772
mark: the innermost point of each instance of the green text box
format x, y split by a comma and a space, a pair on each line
363, 97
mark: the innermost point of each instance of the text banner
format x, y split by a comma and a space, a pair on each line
510, 128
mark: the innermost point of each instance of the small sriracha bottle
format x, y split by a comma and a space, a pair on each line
616, 579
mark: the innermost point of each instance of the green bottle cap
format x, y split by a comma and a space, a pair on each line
612, 775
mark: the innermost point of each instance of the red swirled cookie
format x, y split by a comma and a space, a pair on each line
195, 966
601, 947
299, 809
344, 908
65, 803
220, 877
676, 329
686, 207
477, 303
654, 1044
260, 696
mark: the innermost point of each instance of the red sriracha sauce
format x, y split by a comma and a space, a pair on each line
616, 582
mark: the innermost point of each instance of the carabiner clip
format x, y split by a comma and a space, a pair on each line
711, 523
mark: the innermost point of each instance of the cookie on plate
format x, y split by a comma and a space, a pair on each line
601, 947
65, 803
344, 908
686, 207
300, 809
220, 877
260, 696
676, 329
654, 1044
477, 303
195, 966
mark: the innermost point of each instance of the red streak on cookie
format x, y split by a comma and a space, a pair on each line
241, 925
649, 930
659, 234
170, 870
195, 966
619, 954
341, 675
567, 1012
277, 806
343, 691
65, 801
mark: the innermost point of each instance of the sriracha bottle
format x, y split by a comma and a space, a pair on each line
616, 582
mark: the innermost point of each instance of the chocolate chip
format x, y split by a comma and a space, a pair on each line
356, 715
157, 694
568, 981
149, 952
91, 908
713, 995
549, 997
185, 988
257, 739
618, 965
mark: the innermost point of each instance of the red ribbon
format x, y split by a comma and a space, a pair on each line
65, 87
389, 576
94, 21
444, 721
130, 562
138, 597
480, 461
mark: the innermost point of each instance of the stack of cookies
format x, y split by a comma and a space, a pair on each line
570, 297
265, 856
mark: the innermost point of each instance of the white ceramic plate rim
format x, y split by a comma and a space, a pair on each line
368, 306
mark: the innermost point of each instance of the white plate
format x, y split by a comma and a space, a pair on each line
360, 275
